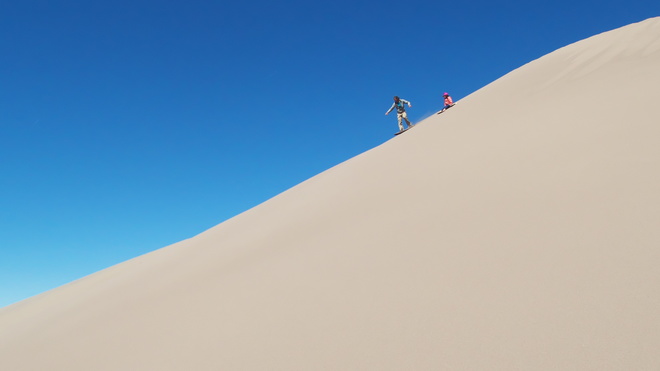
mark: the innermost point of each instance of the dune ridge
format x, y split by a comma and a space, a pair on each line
518, 230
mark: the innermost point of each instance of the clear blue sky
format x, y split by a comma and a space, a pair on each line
126, 126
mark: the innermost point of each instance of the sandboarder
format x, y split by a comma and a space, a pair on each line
448, 103
400, 112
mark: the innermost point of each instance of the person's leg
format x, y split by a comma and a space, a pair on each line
399, 117
405, 117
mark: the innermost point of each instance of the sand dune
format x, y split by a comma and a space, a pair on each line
520, 230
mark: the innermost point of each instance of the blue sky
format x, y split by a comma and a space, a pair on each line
126, 126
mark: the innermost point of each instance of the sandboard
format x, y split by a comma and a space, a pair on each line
404, 130
444, 109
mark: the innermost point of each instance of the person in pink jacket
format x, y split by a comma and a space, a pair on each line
448, 102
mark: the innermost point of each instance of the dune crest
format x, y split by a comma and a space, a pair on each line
518, 230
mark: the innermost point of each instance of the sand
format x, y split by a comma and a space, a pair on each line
517, 231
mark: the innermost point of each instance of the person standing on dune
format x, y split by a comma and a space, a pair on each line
401, 114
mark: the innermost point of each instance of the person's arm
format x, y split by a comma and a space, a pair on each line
406, 102
390, 110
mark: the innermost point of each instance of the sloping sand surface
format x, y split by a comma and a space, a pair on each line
519, 230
